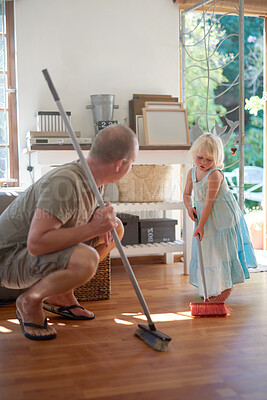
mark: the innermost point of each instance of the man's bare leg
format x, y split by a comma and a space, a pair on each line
68, 299
82, 264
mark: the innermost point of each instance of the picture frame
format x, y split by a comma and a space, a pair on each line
138, 102
163, 104
166, 127
140, 131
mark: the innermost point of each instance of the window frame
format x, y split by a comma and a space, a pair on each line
13, 164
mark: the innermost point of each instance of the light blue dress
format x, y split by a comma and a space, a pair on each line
226, 245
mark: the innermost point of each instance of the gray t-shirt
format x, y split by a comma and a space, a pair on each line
64, 192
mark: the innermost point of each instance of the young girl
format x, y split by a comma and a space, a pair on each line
225, 241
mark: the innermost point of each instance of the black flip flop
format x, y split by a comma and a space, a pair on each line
65, 311
34, 337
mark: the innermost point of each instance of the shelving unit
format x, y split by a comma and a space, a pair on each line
43, 158
163, 155
167, 248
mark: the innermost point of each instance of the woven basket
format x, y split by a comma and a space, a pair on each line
146, 183
99, 287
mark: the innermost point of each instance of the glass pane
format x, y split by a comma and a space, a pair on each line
2, 54
2, 91
3, 128
3, 162
7, 127
4, 140
2, 18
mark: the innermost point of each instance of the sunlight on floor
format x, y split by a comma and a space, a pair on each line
13, 321
131, 314
166, 317
4, 330
122, 322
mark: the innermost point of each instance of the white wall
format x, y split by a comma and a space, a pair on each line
90, 47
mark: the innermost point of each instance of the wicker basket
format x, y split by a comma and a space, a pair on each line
146, 183
99, 287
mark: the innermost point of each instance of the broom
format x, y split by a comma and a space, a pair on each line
149, 334
207, 308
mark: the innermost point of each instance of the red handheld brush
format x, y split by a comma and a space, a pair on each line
207, 308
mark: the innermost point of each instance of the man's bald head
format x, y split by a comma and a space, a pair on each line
114, 143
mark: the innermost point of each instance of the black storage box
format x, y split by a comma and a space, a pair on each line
157, 230
130, 223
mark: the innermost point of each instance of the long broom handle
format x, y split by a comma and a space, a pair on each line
98, 197
201, 264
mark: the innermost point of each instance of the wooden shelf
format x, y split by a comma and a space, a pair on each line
185, 147
87, 147
59, 147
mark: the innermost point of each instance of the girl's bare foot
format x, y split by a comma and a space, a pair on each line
223, 296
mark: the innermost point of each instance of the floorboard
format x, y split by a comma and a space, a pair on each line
208, 358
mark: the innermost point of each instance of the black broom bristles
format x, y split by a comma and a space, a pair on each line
155, 339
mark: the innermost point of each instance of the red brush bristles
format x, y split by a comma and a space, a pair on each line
209, 309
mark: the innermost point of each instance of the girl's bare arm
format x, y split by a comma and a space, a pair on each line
214, 183
187, 196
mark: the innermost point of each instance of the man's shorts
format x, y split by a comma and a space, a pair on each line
20, 270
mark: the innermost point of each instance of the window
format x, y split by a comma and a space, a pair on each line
214, 47
9, 173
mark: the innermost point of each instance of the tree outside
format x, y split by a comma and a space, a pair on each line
216, 53
253, 72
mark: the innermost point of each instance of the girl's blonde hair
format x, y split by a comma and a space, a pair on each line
209, 144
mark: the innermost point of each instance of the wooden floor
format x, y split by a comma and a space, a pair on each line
208, 358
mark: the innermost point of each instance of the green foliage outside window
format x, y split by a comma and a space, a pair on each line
253, 65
